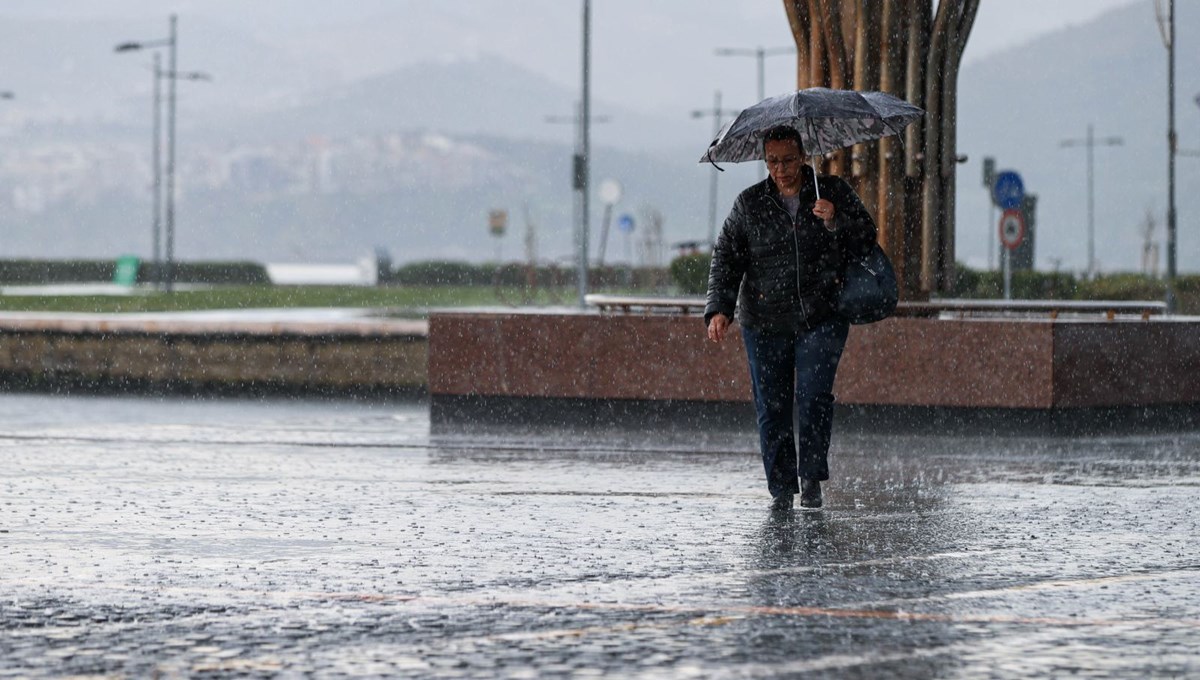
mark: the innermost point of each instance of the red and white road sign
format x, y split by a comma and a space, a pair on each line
1012, 228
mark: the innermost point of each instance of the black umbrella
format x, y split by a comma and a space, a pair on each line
826, 119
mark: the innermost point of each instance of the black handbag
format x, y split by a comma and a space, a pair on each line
869, 291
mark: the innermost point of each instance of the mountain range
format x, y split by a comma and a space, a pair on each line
1016, 105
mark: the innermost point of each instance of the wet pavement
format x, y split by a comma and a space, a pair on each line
171, 538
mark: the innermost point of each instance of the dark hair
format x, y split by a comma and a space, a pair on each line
781, 133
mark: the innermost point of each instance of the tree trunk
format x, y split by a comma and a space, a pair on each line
892, 34
958, 32
906, 48
919, 20
866, 77
798, 19
931, 172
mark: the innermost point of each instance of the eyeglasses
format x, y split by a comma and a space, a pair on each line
785, 161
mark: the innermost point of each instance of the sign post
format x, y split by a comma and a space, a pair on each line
1008, 192
626, 225
497, 223
1012, 232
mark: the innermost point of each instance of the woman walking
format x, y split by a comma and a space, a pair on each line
778, 261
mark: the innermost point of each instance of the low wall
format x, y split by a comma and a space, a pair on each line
1039, 364
323, 357
981, 365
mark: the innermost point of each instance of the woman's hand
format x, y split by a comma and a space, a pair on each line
824, 209
717, 327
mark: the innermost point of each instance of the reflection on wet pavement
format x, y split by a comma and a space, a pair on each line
180, 537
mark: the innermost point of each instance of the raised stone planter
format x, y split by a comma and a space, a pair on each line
332, 357
1040, 368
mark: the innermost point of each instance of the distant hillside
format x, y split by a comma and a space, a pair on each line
1019, 105
425, 219
68, 70
484, 96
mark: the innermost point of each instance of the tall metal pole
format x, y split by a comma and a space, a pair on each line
156, 165
760, 53
585, 148
166, 275
1091, 143
1172, 144
172, 72
717, 113
712, 183
1091, 186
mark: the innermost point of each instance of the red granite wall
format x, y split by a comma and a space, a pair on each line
1134, 364
1032, 364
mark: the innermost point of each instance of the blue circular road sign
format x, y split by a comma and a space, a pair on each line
625, 224
1008, 191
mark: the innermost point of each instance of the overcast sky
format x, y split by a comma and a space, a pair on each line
651, 56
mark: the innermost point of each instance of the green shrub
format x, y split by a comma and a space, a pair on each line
442, 273
518, 275
211, 273
1122, 287
1035, 285
43, 272
690, 273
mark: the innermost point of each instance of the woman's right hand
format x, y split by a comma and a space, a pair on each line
718, 325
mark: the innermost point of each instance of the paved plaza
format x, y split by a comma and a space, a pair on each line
144, 537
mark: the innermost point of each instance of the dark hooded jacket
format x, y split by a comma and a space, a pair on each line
788, 268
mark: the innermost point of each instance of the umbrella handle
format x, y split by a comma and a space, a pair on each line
815, 185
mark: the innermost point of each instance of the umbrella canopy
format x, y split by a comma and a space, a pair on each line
827, 120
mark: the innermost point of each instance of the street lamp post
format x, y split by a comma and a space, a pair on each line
172, 74
1090, 142
585, 128
717, 113
760, 53
156, 168
170, 214
1172, 148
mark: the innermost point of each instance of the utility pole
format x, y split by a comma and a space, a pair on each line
170, 215
1090, 142
760, 53
717, 114
156, 168
1167, 27
585, 153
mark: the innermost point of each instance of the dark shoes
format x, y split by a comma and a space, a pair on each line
782, 502
810, 496
810, 493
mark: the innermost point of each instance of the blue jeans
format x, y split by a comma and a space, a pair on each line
793, 373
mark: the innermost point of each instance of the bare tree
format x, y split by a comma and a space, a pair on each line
912, 50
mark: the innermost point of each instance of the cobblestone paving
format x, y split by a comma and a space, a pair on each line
179, 538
